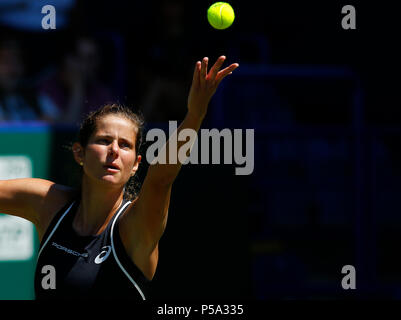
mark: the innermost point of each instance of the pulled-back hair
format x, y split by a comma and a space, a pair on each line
89, 126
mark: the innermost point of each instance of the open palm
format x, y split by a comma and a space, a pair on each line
205, 84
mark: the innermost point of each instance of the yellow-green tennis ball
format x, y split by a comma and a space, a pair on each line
220, 15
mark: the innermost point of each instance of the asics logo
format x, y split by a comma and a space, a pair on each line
103, 255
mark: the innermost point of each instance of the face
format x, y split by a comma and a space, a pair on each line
110, 155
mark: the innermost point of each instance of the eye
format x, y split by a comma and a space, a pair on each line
125, 145
103, 141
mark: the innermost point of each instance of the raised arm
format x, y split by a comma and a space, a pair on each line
144, 222
204, 85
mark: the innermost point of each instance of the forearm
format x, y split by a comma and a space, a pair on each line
165, 173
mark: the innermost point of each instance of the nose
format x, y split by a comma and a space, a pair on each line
114, 148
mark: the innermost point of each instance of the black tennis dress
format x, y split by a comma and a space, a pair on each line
70, 266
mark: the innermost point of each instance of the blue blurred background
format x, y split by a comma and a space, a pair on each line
324, 103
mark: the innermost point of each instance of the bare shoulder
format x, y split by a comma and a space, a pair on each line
53, 197
40, 194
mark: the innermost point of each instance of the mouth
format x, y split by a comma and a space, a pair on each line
112, 167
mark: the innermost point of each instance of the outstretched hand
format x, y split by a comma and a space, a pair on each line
205, 84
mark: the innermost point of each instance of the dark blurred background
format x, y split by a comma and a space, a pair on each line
324, 103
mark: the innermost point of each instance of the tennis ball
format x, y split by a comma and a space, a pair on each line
220, 15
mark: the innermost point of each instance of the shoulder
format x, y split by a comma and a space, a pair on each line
46, 194
25, 197
53, 198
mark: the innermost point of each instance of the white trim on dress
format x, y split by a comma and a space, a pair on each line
54, 229
115, 254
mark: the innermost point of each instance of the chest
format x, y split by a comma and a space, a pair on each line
67, 268
77, 266
74, 266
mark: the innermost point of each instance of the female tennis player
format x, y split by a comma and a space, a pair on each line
95, 242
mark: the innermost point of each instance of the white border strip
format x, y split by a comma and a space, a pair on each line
54, 229
115, 254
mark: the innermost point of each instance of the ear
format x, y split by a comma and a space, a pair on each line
136, 165
78, 152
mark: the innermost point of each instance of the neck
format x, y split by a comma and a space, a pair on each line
97, 207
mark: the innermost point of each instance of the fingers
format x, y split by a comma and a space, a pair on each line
203, 71
223, 73
215, 76
196, 77
216, 67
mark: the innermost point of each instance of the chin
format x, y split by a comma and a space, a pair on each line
111, 180
105, 179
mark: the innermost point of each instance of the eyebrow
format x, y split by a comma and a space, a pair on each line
111, 137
